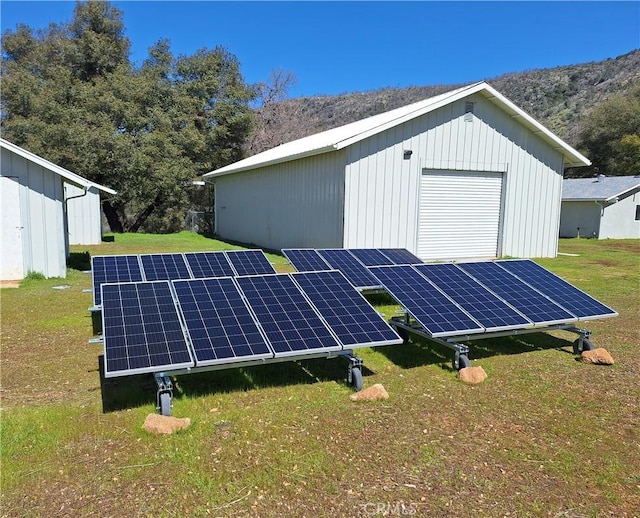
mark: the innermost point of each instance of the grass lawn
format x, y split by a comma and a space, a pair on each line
544, 435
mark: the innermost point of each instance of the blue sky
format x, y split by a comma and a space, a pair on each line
337, 47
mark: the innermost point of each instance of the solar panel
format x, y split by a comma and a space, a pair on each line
287, 318
400, 256
305, 259
438, 315
560, 291
370, 256
485, 307
141, 329
218, 322
249, 262
354, 321
356, 273
209, 264
535, 306
162, 267
113, 268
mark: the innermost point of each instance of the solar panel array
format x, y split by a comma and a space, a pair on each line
352, 262
193, 265
230, 320
167, 312
495, 295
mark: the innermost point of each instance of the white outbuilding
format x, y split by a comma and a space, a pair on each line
40, 203
465, 174
605, 207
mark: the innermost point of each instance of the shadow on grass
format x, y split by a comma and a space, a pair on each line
79, 261
418, 351
139, 390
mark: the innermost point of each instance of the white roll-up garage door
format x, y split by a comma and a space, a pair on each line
459, 214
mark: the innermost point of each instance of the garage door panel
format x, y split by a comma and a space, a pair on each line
459, 214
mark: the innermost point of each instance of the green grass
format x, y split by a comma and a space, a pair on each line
544, 435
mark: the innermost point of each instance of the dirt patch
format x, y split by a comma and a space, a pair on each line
9, 284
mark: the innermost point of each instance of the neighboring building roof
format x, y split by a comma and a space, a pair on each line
601, 188
343, 136
61, 171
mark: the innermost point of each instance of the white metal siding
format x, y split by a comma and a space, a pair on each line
83, 215
11, 259
294, 204
382, 188
459, 215
43, 230
618, 219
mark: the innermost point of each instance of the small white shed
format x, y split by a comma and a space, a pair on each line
605, 207
465, 174
34, 213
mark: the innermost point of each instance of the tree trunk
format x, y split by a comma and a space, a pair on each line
112, 217
142, 218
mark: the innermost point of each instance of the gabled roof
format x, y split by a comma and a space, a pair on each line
601, 188
343, 136
60, 171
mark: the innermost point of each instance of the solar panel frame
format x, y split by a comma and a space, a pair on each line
290, 322
142, 330
249, 262
306, 259
563, 293
541, 310
371, 256
209, 264
355, 272
401, 256
165, 267
348, 314
123, 268
436, 312
218, 322
493, 313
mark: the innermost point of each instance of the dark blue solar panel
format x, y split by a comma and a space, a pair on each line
209, 264
305, 259
350, 316
535, 306
371, 256
141, 329
113, 268
485, 307
400, 256
290, 323
438, 315
566, 295
250, 262
162, 267
355, 272
219, 324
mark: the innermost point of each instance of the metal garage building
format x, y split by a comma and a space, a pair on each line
464, 174
602, 207
34, 213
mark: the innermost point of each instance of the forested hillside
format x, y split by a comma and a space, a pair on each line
560, 98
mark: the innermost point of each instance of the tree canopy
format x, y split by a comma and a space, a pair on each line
71, 95
610, 136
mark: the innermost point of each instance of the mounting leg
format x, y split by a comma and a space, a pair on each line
164, 394
583, 342
354, 372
